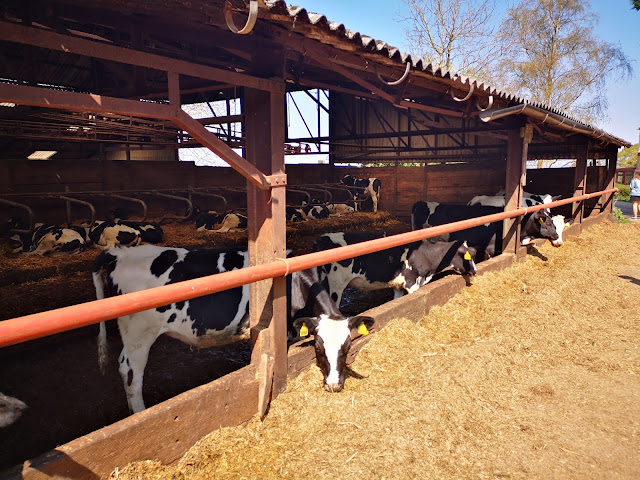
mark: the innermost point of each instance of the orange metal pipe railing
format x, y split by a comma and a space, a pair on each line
30, 327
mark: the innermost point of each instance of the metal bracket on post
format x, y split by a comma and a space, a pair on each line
277, 180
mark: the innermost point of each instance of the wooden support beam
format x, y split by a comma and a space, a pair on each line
516, 178
610, 180
580, 182
82, 102
11, 32
264, 124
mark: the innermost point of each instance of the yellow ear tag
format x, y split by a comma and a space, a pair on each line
362, 329
467, 256
567, 225
304, 331
541, 221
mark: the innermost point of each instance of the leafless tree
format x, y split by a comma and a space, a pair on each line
454, 35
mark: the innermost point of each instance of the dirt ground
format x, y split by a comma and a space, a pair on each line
58, 376
531, 373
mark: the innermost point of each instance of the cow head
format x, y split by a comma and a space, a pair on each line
464, 261
348, 180
332, 341
10, 410
541, 225
560, 223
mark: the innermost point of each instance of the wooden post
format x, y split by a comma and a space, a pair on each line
516, 177
610, 180
264, 123
580, 182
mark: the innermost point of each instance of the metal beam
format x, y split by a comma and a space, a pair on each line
12, 32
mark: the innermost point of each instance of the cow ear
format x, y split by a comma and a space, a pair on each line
305, 326
360, 325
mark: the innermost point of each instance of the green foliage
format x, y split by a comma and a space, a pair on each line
635, 4
623, 192
628, 157
620, 216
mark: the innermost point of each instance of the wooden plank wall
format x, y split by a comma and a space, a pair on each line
401, 186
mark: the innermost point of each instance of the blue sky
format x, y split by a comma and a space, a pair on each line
618, 24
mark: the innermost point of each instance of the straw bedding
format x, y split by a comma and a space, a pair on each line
533, 372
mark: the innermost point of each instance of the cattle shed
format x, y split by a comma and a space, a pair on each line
91, 117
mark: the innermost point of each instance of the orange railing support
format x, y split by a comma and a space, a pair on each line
30, 327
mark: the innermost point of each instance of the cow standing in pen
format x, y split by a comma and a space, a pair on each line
404, 268
370, 185
211, 320
486, 238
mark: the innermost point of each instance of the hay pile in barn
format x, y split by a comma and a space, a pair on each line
531, 373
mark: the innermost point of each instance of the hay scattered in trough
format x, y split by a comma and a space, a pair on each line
531, 373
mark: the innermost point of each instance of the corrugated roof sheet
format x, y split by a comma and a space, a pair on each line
368, 44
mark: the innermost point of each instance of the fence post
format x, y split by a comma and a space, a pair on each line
264, 122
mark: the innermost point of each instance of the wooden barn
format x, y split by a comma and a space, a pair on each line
94, 115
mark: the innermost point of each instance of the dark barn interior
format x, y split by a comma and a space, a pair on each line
100, 85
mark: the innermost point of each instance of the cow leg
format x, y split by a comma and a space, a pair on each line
374, 197
137, 338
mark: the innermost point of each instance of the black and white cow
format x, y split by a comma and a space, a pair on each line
109, 234
313, 211
484, 237
371, 186
150, 232
528, 199
295, 214
49, 240
10, 409
405, 268
208, 220
221, 222
212, 320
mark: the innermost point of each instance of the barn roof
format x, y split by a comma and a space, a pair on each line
365, 43
318, 53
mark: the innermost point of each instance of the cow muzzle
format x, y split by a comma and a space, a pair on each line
333, 387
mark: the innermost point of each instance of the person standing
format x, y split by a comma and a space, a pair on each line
634, 193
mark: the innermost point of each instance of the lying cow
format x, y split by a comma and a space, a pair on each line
295, 214
486, 238
312, 211
212, 320
339, 209
49, 240
371, 186
405, 268
10, 410
221, 222
109, 234
150, 232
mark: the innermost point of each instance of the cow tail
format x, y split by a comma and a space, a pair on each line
103, 348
